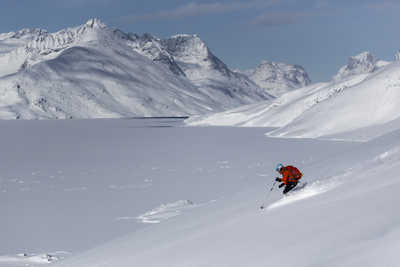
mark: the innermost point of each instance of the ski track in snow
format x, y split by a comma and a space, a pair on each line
25, 259
163, 212
76, 189
391, 155
130, 186
316, 188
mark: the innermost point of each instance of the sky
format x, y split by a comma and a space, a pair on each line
319, 35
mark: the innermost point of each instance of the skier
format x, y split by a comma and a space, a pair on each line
290, 177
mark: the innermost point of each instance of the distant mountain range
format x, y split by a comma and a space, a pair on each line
94, 71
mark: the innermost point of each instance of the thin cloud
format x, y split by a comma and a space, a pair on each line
198, 9
384, 5
350, 4
278, 19
322, 4
318, 8
79, 3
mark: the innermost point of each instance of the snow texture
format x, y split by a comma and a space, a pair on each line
308, 191
24, 259
165, 211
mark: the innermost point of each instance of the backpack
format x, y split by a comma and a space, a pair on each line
296, 174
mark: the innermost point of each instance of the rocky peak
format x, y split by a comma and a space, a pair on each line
193, 56
278, 78
92, 30
152, 48
95, 23
186, 46
397, 56
28, 33
362, 63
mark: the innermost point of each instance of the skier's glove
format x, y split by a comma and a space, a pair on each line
282, 184
278, 179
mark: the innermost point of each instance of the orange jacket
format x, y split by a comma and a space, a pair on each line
290, 174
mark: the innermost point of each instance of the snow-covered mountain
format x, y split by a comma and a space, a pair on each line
366, 95
95, 71
189, 56
278, 78
365, 62
12, 40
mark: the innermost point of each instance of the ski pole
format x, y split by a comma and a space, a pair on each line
269, 193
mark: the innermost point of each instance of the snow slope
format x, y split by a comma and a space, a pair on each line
358, 101
93, 71
372, 102
149, 193
343, 218
71, 185
281, 111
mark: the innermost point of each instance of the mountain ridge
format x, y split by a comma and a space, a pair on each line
191, 79
362, 100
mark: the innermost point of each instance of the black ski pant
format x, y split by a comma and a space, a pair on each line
289, 187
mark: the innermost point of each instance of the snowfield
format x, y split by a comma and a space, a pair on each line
149, 192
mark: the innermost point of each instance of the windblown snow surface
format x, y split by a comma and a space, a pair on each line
152, 193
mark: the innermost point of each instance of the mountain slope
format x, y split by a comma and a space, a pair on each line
187, 55
73, 90
93, 71
359, 99
278, 78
